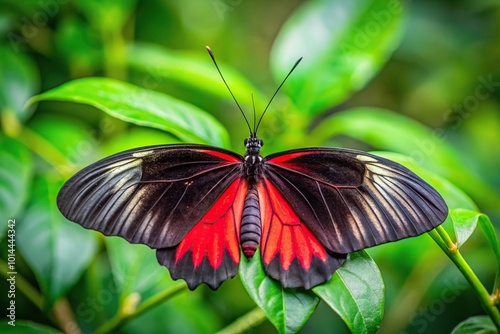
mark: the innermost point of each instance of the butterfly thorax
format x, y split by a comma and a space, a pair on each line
253, 160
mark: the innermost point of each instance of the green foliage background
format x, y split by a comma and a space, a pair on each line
417, 81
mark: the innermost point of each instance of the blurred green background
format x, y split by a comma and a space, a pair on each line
419, 78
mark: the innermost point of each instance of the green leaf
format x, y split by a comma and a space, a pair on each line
136, 270
287, 309
74, 142
18, 81
26, 327
187, 313
465, 223
135, 267
386, 130
191, 69
344, 44
142, 107
356, 293
16, 169
57, 250
474, 325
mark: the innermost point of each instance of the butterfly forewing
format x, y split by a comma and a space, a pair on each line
152, 195
351, 199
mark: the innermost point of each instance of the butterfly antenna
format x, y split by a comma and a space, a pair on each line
254, 116
276, 92
229, 89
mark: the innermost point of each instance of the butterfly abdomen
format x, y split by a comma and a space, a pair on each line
250, 228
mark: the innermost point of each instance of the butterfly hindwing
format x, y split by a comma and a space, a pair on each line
290, 253
351, 200
210, 251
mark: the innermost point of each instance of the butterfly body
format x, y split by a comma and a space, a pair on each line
250, 228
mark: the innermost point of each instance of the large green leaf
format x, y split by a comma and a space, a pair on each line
16, 168
387, 130
287, 309
356, 293
135, 267
142, 107
56, 250
344, 43
65, 142
18, 81
136, 270
187, 313
476, 325
191, 69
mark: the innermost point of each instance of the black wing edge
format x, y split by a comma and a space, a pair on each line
298, 277
194, 276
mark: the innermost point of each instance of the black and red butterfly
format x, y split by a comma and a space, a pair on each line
199, 205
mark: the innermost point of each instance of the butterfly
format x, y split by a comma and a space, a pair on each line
203, 208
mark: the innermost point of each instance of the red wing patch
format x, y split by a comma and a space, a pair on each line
210, 251
290, 252
224, 156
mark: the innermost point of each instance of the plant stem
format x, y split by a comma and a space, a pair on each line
114, 51
64, 317
245, 323
121, 317
443, 240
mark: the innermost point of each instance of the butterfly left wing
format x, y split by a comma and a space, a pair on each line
172, 198
351, 200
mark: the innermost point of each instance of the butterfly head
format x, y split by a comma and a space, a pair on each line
253, 144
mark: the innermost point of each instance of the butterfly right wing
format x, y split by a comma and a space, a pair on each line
151, 195
352, 200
